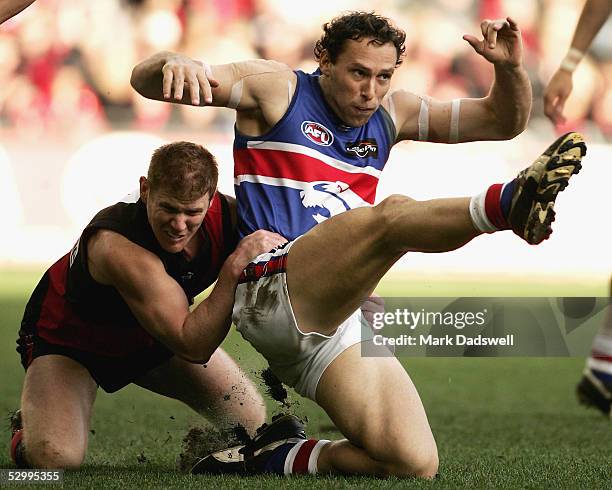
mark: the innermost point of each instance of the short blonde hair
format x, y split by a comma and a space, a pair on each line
185, 170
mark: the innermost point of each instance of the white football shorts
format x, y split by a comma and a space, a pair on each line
264, 317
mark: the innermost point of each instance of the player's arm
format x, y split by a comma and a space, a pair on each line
592, 18
502, 114
173, 77
10, 8
159, 303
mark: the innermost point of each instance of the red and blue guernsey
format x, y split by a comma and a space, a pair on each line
309, 166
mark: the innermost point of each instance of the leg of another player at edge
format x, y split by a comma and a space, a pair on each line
221, 391
56, 406
347, 255
600, 360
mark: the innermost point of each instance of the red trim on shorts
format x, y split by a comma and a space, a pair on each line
254, 272
300, 463
493, 207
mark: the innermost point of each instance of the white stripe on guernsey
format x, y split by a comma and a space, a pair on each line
291, 457
479, 215
313, 467
423, 121
311, 152
352, 199
453, 136
235, 95
599, 365
603, 344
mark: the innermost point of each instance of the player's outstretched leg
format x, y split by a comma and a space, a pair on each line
347, 255
312, 341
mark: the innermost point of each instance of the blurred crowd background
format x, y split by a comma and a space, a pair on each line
66, 64
75, 137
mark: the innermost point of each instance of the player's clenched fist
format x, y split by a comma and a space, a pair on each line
181, 71
501, 41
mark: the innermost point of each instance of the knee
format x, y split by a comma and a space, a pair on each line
422, 465
45, 454
395, 204
390, 210
425, 466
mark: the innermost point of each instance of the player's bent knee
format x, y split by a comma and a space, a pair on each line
422, 465
390, 205
389, 211
46, 455
428, 468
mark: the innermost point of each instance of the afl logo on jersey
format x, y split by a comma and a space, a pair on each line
317, 133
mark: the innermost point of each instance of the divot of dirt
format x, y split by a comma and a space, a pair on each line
201, 441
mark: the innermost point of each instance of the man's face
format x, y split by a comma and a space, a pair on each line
356, 83
174, 222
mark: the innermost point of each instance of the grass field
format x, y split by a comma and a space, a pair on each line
499, 423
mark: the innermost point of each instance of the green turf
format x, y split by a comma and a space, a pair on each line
499, 423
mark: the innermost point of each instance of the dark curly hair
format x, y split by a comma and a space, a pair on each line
356, 26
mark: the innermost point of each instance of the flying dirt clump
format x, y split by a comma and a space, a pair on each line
201, 441
274, 387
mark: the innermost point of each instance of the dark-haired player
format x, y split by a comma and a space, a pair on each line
115, 310
309, 150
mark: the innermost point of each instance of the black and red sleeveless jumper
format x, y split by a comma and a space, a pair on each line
71, 314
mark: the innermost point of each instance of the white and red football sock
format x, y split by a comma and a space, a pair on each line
489, 211
295, 458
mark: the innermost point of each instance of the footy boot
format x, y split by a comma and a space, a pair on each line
228, 461
283, 429
593, 392
537, 187
251, 458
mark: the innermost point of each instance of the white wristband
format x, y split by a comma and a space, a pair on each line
571, 60
568, 65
